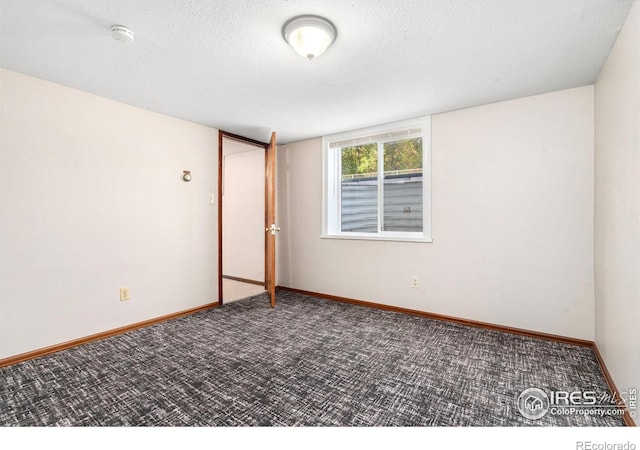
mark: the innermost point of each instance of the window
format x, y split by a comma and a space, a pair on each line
376, 183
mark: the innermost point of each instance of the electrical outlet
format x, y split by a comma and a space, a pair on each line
414, 282
124, 294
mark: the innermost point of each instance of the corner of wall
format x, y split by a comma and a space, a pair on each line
617, 206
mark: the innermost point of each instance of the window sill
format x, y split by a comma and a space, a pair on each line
364, 237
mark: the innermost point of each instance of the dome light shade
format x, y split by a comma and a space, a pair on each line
309, 36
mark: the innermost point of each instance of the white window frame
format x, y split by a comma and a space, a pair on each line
331, 182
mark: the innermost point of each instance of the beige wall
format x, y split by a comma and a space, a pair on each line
243, 210
512, 221
92, 199
617, 207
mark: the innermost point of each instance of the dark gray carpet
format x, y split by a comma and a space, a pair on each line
307, 362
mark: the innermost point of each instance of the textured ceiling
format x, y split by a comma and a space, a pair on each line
225, 64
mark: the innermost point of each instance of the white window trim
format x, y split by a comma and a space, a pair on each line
331, 177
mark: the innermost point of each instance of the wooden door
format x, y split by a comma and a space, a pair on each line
270, 220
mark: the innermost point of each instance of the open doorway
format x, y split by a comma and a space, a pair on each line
246, 217
243, 206
243, 237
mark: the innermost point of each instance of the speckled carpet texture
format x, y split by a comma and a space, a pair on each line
308, 362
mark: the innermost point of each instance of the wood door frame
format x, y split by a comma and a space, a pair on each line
221, 136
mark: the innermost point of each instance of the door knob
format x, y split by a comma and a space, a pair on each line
272, 229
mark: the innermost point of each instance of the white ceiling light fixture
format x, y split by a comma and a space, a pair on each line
310, 36
121, 33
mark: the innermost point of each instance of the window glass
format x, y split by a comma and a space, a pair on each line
403, 190
359, 189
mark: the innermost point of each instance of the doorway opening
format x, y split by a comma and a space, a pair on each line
246, 180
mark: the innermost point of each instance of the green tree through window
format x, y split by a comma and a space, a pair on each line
403, 155
360, 159
398, 155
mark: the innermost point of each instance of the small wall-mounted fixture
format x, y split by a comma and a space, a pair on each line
121, 33
309, 35
186, 175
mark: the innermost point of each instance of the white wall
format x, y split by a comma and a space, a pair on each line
512, 221
617, 207
92, 199
243, 210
